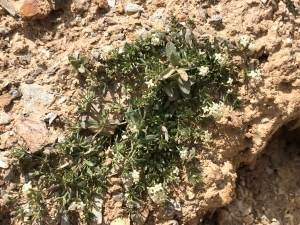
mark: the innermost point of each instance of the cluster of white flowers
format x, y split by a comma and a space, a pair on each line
26, 188
203, 71
76, 206
136, 176
155, 40
244, 41
207, 136
150, 83
26, 208
157, 193
255, 75
230, 80
186, 154
222, 59
216, 110
133, 128
176, 171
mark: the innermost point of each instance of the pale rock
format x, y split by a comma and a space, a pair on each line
3, 139
215, 20
111, 3
36, 98
5, 100
5, 118
50, 117
8, 6
15, 93
80, 5
35, 133
4, 160
3, 164
132, 8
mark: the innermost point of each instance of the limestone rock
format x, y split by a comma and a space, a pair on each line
36, 98
35, 133
5, 118
80, 5
5, 100
8, 6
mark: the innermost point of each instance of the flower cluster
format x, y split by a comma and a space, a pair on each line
76, 206
136, 176
26, 189
216, 110
150, 83
255, 75
155, 39
222, 59
244, 41
186, 154
157, 193
203, 71
207, 136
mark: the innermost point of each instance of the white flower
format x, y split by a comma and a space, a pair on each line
221, 58
124, 137
207, 136
176, 171
157, 193
255, 75
230, 80
229, 90
244, 41
26, 208
216, 110
133, 129
155, 40
76, 206
26, 188
186, 154
150, 83
203, 71
136, 176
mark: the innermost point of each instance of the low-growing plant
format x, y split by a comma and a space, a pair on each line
167, 87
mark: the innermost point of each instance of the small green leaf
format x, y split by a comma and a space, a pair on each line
166, 73
170, 48
174, 59
74, 62
150, 137
169, 91
183, 75
89, 171
84, 60
184, 86
88, 163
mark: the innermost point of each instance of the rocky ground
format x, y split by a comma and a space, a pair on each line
249, 171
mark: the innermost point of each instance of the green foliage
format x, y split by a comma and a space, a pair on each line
168, 87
